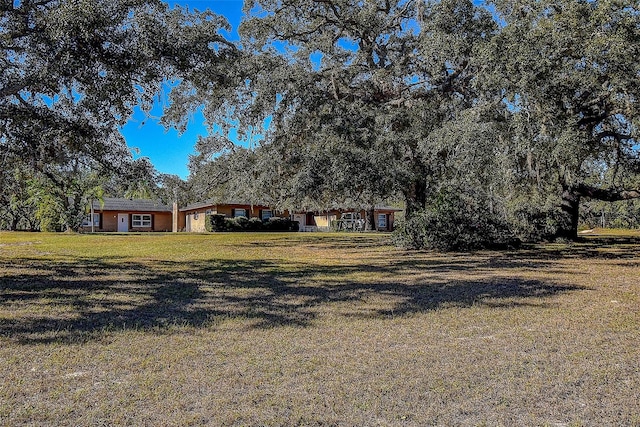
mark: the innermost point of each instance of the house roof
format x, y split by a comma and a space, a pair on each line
388, 208
198, 205
211, 203
351, 209
130, 205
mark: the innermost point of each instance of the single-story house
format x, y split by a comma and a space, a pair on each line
124, 215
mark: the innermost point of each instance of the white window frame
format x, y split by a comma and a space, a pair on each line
236, 214
87, 220
141, 221
268, 212
382, 220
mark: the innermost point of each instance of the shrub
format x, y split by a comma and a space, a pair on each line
215, 222
281, 224
534, 218
240, 223
219, 223
454, 221
535, 224
254, 224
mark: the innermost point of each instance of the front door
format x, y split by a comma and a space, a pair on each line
123, 223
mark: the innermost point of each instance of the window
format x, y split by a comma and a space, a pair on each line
239, 212
87, 220
208, 212
140, 221
382, 221
266, 214
350, 216
195, 215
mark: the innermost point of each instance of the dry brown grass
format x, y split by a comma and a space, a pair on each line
315, 329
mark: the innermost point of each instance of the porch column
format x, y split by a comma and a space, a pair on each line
174, 224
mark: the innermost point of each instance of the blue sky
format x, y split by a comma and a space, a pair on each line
168, 151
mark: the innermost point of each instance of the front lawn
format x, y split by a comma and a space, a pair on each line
315, 329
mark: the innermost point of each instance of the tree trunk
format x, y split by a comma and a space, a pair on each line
416, 197
73, 213
369, 223
570, 210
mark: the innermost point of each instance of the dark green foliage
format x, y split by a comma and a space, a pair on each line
533, 223
253, 224
574, 115
281, 224
241, 223
214, 222
530, 106
533, 217
454, 221
221, 223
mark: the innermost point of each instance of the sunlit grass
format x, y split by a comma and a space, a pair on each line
315, 329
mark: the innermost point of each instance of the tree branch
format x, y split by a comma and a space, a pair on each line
610, 134
606, 194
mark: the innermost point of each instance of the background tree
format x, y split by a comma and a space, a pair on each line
17, 210
140, 180
172, 188
234, 174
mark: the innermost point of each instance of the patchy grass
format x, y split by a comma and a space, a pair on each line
315, 329
611, 233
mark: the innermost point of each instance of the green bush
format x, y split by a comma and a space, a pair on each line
535, 224
240, 223
534, 218
220, 223
215, 222
454, 221
254, 224
281, 224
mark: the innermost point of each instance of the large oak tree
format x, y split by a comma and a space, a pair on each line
73, 71
357, 94
570, 72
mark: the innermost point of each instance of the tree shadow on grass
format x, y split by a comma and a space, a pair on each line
595, 247
77, 300
322, 240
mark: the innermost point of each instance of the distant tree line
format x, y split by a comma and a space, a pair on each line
488, 122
